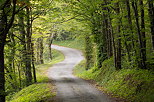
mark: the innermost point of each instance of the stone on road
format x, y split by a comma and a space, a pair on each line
70, 88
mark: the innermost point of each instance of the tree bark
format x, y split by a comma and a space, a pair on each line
141, 34
50, 43
151, 16
143, 37
33, 63
2, 78
118, 52
108, 29
28, 52
5, 25
41, 51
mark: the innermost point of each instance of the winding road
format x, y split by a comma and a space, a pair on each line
69, 87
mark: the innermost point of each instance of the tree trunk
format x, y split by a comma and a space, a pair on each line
23, 42
108, 30
5, 25
2, 78
118, 52
33, 63
141, 34
41, 51
151, 16
143, 37
28, 52
50, 42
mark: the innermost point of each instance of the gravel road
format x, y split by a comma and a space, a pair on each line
69, 87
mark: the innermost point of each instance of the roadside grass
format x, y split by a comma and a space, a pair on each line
77, 43
42, 90
135, 85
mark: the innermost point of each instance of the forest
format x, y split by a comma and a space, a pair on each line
116, 36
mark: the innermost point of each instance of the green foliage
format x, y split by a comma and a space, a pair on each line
35, 93
133, 84
77, 43
116, 31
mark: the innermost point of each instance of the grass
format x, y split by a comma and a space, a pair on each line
42, 90
136, 85
77, 43
35, 93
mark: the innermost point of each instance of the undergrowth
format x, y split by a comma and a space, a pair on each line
136, 85
42, 90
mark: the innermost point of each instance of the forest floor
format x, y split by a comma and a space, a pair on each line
69, 87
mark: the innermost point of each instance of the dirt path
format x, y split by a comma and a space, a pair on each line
69, 87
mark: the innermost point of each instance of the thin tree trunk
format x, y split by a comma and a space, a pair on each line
50, 42
23, 42
41, 51
33, 65
19, 75
151, 16
143, 38
118, 52
141, 34
28, 52
32, 48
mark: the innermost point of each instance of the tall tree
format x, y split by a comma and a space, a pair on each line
7, 14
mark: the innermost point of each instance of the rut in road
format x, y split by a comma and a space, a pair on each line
69, 87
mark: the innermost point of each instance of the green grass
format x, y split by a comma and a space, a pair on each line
77, 43
132, 84
42, 90
35, 93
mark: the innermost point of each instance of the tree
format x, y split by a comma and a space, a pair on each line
7, 14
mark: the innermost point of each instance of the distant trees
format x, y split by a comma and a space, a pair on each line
120, 29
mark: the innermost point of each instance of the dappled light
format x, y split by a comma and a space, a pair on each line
88, 50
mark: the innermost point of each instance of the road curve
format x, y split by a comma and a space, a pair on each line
69, 87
